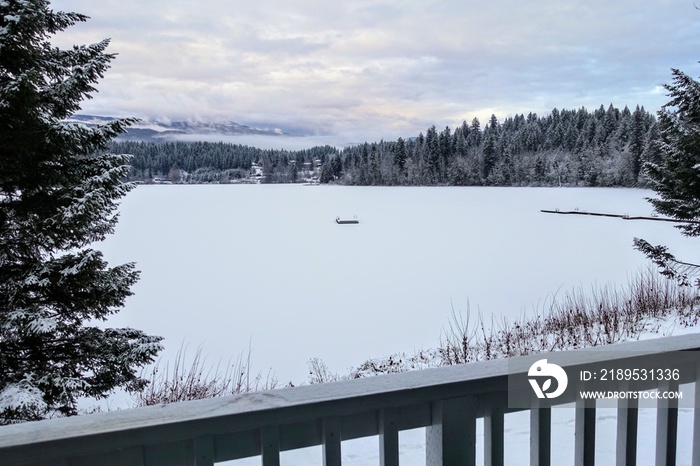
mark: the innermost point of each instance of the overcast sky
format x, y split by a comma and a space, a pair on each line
382, 68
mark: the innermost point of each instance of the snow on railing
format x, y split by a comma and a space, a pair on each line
446, 401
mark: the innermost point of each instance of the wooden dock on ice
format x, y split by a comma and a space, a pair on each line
622, 216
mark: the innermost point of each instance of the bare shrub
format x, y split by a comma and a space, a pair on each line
457, 340
579, 318
319, 373
196, 380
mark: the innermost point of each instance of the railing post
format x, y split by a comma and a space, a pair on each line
493, 430
584, 431
270, 446
626, 443
331, 441
540, 436
388, 437
666, 427
451, 439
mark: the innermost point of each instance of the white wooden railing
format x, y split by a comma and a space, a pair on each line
447, 401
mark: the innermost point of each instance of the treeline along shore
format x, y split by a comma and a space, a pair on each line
605, 147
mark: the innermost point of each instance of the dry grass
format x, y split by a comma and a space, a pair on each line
576, 319
195, 380
579, 318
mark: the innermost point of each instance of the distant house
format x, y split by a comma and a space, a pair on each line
256, 174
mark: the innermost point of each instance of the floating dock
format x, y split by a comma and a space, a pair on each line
349, 221
622, 216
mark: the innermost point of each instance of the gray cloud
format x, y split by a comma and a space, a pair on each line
370, 69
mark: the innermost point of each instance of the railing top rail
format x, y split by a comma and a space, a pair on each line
178, 421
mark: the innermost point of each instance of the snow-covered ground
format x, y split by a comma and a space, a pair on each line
225, 267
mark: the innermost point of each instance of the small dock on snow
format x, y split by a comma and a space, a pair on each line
622, 216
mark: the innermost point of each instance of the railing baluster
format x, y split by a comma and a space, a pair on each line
626, 443
584, 431
540, 436
270, 446
666, 427
388, 437
451, 439
331, 441
493, 430
696, 418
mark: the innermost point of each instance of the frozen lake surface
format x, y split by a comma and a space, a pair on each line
225, 266
266, 265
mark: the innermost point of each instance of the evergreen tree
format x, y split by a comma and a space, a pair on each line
676, 178
493, 123
58, 193
474, 138
489, 155
637, 142
417, 176
433, 153
651, 152
293, 171
363, 178
399, 152
446, 149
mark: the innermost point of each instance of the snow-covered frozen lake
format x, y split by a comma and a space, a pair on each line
266, 265
225, 266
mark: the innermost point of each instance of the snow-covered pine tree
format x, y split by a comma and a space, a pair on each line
676, 179
399, 160
676, 176
58, 192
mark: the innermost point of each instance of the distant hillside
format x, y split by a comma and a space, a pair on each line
154, 130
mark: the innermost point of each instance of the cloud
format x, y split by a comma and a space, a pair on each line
382, 68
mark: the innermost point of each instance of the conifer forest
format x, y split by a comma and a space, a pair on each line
605, 147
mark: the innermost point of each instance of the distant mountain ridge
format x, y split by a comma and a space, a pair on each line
155, 130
